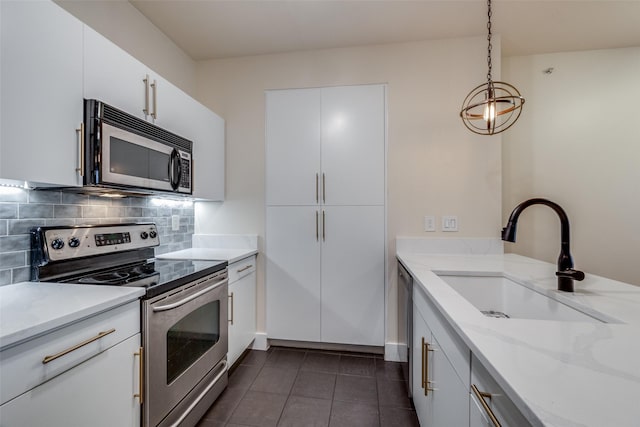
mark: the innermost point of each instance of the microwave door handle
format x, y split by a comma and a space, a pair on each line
175, 169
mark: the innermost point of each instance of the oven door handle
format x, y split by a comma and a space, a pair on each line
184, 415
190, 297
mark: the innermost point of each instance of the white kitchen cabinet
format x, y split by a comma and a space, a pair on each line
497, 404
442, 365
293, 272
95, 383
113, 76
352, 271
325, 246
293, 172
207, 133
242, 307
353, 151
326, 146
41, 103
98, 392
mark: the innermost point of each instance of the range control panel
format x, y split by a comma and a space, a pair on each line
75, 242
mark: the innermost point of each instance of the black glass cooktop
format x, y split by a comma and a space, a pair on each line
156, 275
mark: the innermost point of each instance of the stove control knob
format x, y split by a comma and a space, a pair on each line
74, 242
57, 243
153, 234
144, 235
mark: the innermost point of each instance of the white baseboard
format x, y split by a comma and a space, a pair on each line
260, 342
395, 352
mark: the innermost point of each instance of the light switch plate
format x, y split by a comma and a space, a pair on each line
175, 222
429, 223
449, 223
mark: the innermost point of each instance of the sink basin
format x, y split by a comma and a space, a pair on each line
497, 296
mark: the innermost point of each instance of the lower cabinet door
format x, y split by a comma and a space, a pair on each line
98, 393
242, 315
450, 396
422, 401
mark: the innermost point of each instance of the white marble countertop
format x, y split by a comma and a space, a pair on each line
558, 373
206, 254
218, 247
31, 309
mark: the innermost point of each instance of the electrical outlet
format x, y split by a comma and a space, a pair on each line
175, 222
429, 223
449, 223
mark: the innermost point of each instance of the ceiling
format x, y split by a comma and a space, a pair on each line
209, 29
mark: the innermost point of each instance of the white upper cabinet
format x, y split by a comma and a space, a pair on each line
353, 134
293, 156
113, 76
207, 134
41, 85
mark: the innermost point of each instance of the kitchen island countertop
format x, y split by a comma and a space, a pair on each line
558, 373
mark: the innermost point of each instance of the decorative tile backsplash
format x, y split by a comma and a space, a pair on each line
20, 210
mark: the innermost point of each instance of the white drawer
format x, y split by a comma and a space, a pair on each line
22, 367
241, 268
456, 350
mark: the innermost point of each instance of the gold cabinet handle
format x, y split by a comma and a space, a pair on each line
425, 351
324, 193
244, 268
422, 366
154, 87
324, 227
145, 110
80, 132
231, 298
481, 395
53, 357
317, 188
139, 394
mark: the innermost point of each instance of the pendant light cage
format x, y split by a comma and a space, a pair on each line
491, 107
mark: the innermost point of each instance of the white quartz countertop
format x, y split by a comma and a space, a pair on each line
31, 309
206, 254
558, 373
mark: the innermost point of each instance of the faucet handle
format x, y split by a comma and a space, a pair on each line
571, 274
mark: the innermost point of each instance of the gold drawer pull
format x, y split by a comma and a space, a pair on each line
53, 357
139, 395
481, 395
245, 268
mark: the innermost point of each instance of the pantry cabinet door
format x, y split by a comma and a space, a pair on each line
353, 148
41, 102
353, 275
113, 76
293, 273
293, 147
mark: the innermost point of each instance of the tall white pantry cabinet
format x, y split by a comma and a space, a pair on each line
325, 196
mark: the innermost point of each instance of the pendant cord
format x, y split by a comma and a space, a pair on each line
489, 40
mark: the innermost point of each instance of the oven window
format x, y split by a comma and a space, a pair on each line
191, 337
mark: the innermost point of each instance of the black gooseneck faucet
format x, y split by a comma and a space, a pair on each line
566, 274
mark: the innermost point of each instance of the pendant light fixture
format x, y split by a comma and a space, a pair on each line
492, 107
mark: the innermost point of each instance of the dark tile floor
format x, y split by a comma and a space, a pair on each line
299, 388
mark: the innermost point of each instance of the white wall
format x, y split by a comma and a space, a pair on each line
435, 165
124, 25
578, 144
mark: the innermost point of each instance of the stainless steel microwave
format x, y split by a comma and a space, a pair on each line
124, 152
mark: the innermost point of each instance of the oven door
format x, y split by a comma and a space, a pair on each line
133, 160
186, 335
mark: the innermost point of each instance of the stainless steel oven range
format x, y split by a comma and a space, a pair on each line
184, 312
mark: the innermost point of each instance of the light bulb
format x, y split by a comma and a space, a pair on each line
489, 114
